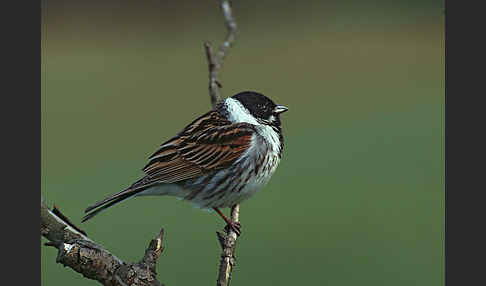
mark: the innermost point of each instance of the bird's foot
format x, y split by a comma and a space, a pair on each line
235, 226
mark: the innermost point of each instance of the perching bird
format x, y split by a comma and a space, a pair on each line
220, 159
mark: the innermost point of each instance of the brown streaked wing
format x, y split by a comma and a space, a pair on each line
218, 147
209, 143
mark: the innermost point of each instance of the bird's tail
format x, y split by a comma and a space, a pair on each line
111, 200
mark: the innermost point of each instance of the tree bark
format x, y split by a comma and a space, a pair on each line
83, 255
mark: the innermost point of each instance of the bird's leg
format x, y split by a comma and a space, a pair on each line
234, 225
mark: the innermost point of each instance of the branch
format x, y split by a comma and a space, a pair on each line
215, 62
83, 255
228, 245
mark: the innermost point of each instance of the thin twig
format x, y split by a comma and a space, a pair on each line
59, 214
214, 67
215, 62
232, 30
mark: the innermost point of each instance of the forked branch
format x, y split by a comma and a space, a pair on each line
84, 256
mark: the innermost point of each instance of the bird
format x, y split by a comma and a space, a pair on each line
219, 160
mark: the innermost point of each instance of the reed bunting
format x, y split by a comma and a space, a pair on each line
220, 159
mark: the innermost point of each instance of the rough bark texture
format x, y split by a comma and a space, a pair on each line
80, 253
228, 245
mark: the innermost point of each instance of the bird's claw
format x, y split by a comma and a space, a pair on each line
235, 226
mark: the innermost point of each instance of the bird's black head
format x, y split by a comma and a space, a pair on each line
261, 107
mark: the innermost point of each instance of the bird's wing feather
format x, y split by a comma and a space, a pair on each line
209, 143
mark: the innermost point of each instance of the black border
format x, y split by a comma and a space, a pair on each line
464, 253
21, 136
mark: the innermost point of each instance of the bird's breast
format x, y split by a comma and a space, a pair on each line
259, 164
232, 185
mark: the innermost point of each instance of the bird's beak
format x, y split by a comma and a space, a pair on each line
280, 109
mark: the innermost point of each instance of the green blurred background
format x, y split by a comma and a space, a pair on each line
359, 196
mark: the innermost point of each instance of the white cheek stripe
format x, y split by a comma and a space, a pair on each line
238, 113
